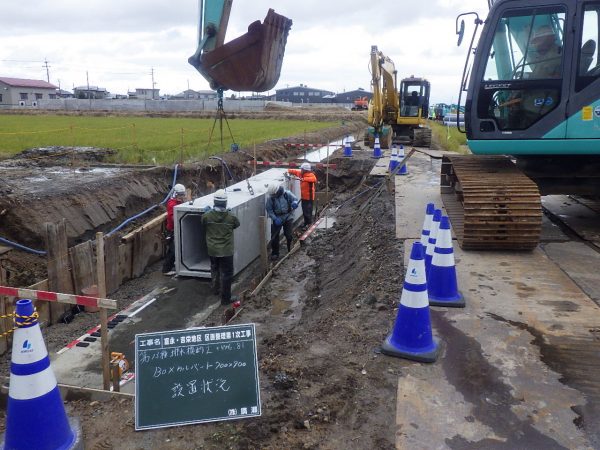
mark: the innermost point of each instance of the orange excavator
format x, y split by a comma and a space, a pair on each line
251, 62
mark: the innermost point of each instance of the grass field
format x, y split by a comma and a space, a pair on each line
143, 139
449, 137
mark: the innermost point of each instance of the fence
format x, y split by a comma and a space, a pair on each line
73, 270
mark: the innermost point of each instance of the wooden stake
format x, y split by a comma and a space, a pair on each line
116, 377
103, 313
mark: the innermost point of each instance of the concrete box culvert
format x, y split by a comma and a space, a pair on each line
191, 255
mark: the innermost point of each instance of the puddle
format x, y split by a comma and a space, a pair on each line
279, 306
324, 152
327, 222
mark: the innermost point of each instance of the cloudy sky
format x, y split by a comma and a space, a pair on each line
118, 43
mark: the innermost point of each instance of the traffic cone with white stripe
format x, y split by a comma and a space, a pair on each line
435, 226
404, 169
441, 278
377, 148
427, 224
35, 417
411, 337
393, 160
347, 148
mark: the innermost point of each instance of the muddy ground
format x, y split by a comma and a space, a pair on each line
323, 383
48, 184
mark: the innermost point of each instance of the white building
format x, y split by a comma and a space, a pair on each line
24, 92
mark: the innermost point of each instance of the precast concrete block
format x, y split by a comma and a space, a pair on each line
247, 204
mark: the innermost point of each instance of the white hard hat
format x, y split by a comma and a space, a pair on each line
272, 189
220, 198
305, 166
179, 189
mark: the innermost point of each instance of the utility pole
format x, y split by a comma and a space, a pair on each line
47, 71
87, 76
153, 83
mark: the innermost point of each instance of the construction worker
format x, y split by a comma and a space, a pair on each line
177, 197
280, 205
218, 224
308, 186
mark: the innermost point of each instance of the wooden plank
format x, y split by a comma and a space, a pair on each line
125, 258
82, 266
156, 222
103, 313
5, 324
137, 256
111, 261
59, 278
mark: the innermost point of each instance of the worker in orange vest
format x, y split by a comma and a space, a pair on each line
308, 186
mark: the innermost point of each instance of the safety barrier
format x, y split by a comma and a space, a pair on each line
292, 164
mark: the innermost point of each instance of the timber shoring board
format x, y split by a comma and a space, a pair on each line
82, 266
111, 261
59, 278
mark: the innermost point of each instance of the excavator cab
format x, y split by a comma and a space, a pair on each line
251, 62
411, 122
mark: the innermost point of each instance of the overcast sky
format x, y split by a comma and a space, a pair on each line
118, 43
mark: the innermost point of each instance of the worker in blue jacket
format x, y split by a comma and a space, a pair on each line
280, 204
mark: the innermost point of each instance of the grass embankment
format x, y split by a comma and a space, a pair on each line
449, 138
143, 139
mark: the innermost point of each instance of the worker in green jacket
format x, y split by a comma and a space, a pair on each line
218, 224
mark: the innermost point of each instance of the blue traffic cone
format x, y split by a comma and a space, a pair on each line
393, 159
403, 170
347, 149
377, 148
441, 278
435, 226
35, 417
411, 337
427, 224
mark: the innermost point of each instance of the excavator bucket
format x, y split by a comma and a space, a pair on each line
251, 62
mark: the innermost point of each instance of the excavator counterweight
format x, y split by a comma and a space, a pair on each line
251, 62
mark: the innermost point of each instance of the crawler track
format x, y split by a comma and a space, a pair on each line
491, 204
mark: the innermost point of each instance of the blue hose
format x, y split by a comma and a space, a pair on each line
131, 219
22, 247
224, 165
42, 252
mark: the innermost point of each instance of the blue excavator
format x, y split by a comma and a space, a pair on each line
532, 119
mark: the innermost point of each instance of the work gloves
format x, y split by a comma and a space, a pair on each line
294, 204
277, 222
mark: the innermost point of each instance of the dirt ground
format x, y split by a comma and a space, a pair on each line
320, 322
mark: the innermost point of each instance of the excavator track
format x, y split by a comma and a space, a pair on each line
491, 204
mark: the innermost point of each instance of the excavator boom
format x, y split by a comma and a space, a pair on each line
251, 62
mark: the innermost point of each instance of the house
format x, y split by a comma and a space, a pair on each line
61, 93
94, 92
24, 92
301, 94
190, 94
145, 94
350, 96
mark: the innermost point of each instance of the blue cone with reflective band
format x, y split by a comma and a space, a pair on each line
435, 226
35, 417
427, 224
404, 169
411, 337
377, 148
393, 159
347, 149
441, 278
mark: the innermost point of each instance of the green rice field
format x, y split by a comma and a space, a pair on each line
143, 139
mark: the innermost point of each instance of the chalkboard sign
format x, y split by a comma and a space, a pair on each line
196, 375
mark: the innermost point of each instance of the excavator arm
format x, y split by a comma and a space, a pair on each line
251, 62
383, 107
